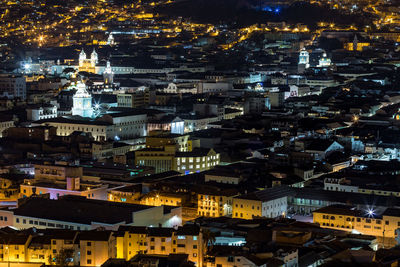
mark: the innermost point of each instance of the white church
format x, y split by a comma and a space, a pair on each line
92, 65
82, 101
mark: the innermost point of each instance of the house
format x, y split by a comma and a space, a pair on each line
320, 149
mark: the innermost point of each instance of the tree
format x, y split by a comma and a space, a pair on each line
209, 238
63, 258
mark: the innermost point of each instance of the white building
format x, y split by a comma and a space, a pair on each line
339, 184
41, 112
126, 125
77, 213
324, 61
82, 101
100, 130
185, 88
197, 123
91, 65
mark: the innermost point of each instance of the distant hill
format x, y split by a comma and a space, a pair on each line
240, 13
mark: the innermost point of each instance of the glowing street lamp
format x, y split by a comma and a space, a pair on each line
370, 212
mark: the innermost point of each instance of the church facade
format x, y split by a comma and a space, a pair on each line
82, 102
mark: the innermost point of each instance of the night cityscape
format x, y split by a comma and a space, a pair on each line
199, 133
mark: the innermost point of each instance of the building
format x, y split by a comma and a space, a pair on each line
82, 101
181, 142
254, 105
197, 160
320, 149
126, 123
215, 203
4, 125
356, 45
108, 74
57, 172
69, 187
12, 86
170, 123
168, 158
134, 99
115, 125
100, 130
91, 65
304, 60
14, 248
159, 198
269, 203
187, 239
88, 65
209, 110
96, 247
36, 133
197, 122
128, 194
324, 61
223, 176
384, 223
277, 99
79, 213
41, 112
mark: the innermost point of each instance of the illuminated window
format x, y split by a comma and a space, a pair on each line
181, 237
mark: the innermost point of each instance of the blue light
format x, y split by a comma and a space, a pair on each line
267, 8
277, 10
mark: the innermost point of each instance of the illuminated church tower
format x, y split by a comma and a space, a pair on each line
94, 58
82, 101
304, 59
108, 74
82, 58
